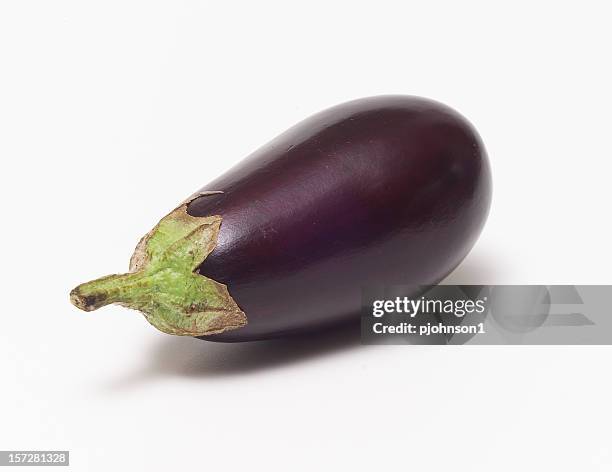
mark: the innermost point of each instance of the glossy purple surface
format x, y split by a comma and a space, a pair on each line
377, 191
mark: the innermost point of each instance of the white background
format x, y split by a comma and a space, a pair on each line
112, 112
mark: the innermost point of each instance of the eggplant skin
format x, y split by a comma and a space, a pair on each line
386, 190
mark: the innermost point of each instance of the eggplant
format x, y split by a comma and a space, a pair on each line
387, 190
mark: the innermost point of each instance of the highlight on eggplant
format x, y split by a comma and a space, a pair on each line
387, 190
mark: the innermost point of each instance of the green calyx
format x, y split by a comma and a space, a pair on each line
163, 283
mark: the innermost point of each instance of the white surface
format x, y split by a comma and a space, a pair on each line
112, 112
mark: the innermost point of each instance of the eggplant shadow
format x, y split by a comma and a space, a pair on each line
175, 356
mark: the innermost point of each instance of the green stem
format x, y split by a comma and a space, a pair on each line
121, 288
163, 282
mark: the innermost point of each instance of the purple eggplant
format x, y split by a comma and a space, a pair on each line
389, 190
